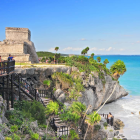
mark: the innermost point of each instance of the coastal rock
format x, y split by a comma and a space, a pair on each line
96, 93
118, 124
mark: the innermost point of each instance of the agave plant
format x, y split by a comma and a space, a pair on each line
52, 108
93, 118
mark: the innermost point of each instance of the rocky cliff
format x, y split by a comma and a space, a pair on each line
96, 92
2, 117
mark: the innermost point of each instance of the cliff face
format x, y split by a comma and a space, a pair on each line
2, 117
95, 91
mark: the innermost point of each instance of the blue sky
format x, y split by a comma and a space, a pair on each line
105, 26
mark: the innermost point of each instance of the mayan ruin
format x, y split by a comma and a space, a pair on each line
18, 43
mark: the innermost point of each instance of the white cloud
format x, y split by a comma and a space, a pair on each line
51, 50
138, 42
72, 49
82, 39
109, 49
121, 49
102, 49
93, 49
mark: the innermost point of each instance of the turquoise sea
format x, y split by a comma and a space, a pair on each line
123, 108
131, 79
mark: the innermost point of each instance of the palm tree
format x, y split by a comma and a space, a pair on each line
99, 59
92, 56
106, 61
87, 49
56, 49
118, 68
84, 52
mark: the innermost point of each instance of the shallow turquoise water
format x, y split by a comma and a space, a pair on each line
131, 79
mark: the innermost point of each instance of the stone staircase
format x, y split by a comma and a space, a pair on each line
61, 128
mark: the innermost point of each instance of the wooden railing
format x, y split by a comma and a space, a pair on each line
7, 67
46, 94
104, 115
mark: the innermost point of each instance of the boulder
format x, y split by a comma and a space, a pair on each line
75, 69
58, 92
62, 98
118, 124
34, 125
60, 95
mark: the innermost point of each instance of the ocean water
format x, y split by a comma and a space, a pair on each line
123, 108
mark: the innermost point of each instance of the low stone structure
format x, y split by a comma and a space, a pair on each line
18, 43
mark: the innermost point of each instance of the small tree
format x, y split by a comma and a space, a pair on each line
118, 68
84, 52
52, 108
106, 61
56, 49
87, 49
92, 55
99, 59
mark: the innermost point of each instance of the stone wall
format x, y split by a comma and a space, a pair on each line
18, 33
18, 44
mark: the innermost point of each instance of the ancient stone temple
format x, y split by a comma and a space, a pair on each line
18, 43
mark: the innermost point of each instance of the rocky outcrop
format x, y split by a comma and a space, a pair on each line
2, 116
118, 124
37, 75
96, 92
60, 95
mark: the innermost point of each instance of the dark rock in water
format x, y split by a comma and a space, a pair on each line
118, 124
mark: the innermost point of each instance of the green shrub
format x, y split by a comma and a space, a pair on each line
64, 79
34, 136
15, 117
15, 137
73, 135
43, 126
74, 112
105, 124
52, 107
97, 127
29, 109
35, 110
14, 128
93, 117
47, 82
8, 138
111, 130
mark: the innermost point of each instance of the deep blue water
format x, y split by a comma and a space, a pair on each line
131, 79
